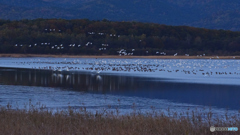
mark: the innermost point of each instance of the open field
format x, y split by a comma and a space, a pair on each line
116, 56
42, 122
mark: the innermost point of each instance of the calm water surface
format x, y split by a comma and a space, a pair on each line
94, 91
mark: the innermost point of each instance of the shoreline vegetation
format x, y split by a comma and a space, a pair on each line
86, 37
40, 120
117, 56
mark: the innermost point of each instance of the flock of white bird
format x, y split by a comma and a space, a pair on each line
162, 68
104, 46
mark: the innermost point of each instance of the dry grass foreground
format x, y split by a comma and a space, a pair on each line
76, 122
116, 56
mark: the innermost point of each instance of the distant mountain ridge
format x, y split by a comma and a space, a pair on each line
213, 14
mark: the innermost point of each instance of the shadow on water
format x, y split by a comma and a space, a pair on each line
220, 96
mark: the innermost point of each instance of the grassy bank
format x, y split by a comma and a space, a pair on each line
118, 57
42, 122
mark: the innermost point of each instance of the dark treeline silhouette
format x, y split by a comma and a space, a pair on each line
85, 37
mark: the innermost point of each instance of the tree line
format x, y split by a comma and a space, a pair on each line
86, 37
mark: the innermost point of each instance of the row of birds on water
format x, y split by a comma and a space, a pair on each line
100, 67
195, 67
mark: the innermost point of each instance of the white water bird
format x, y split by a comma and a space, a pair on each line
99, 77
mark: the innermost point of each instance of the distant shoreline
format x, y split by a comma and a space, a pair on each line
118, 57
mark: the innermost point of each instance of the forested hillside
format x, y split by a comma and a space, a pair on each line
58, 36
213, 14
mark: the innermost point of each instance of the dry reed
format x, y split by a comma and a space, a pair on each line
41, 121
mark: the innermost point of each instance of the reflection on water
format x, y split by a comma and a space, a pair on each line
220, 96
71, 80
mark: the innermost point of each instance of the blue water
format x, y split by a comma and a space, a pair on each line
178, 85
59, 90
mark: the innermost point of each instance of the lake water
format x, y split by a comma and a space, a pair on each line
178, 85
